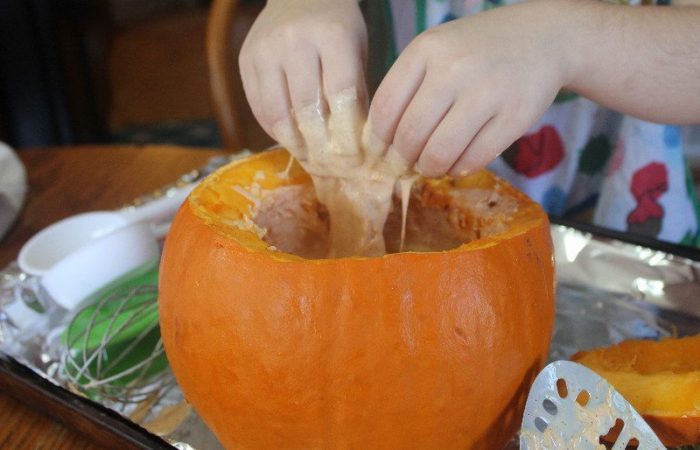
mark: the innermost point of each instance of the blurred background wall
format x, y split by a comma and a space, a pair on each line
109, 71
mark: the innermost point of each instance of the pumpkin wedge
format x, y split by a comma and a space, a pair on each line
434, 347
661, 379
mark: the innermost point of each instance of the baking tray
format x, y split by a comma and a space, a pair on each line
670, 306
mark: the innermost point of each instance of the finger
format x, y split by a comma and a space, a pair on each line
276, 109
251, 88
392, 98
420, 119
272, 89
491, 140
346, 94
451, 137
343, 69
303, 71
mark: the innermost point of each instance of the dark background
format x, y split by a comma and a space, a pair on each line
106, 71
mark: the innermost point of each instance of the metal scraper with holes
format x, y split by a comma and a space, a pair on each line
571, 407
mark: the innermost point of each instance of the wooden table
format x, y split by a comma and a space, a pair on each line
65, 181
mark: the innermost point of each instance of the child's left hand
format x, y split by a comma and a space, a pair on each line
462, 92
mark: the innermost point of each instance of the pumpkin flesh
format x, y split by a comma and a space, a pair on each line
660, 379
278, 347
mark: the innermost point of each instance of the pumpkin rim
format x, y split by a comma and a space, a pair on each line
535, 215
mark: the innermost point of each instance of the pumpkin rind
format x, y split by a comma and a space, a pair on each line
660, 379
410, 350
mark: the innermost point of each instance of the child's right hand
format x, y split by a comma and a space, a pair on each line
297, 58
462, 92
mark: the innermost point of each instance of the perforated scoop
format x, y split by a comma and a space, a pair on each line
572, 407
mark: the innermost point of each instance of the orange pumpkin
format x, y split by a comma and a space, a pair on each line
660, 379
417, 349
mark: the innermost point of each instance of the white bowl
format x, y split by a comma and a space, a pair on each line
98, 262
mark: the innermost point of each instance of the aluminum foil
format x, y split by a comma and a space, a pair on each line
656, 277
607, 291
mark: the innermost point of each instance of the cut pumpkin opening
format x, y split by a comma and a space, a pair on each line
295, 222
284, 212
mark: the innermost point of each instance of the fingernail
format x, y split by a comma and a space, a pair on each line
371, 142
396, 162
343, 99
313, 112
459, 173
345, 124
288, 136
418, 167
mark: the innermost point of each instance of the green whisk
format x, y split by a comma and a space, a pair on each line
113, 348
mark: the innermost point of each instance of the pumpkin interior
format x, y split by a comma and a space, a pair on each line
295, 222
283, 211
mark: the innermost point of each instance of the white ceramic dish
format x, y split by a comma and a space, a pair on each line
82, 272
77, 255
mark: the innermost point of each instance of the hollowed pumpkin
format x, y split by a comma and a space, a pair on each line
277, 347
660, 379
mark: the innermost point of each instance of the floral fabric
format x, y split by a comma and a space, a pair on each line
580, 160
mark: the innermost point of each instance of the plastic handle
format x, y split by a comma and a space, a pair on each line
160, 209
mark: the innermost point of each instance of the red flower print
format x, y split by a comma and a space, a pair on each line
537, 153
648, 184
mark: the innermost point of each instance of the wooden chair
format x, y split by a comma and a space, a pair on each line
228, 23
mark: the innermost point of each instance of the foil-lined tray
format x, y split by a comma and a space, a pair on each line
608, 289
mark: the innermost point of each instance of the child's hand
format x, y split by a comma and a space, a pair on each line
462, 92
296, 60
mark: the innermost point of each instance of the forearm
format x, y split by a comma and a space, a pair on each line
643, 61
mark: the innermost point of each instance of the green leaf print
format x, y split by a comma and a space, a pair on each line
594, 157
421, 16
565, 95
690, 239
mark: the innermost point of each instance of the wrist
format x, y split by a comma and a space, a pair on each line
568, 37
586, 26
557, 31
